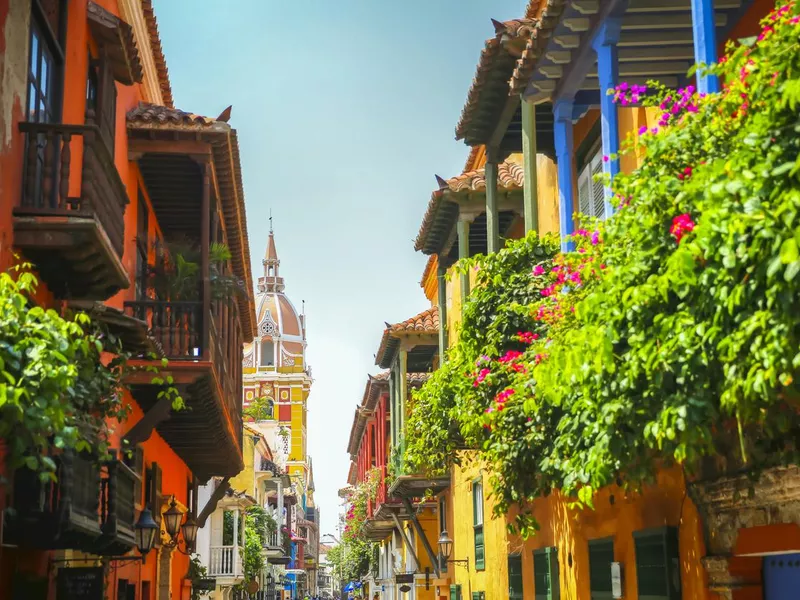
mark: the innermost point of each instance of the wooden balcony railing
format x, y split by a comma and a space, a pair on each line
185, 331
225, 561
117, 510
50, 160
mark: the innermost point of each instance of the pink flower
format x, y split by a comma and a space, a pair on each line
548, 291
595, 238
527, 337
483, 374
510, 356
519, 368
538, 270
575, 278
681, 225
642, 129
504, 395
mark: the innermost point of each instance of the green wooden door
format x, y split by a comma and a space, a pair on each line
514, 577
545, 574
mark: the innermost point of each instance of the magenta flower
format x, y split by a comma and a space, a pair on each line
510, 356
538, 270
595, 238
681, 225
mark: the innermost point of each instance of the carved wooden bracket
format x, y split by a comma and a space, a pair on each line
421, 533
211, 505
144, 427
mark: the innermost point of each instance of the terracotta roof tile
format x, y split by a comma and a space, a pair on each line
549, 18
510, 176
158, 52
494, 68
425, 323
147, 114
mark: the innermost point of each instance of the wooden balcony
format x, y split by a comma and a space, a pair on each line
225, 562
89, 508
75, 242
58, 515
203, 344
117, 510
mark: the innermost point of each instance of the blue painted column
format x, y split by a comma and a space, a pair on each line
705, 43
605, 46
562, 113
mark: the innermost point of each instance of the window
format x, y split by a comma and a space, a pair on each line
267, 353
45, 62
478, 595
228, 521
135, 461
545, 574
146, 591
591, 193
658, 573
442, 527
455, 592
477, 524
514, 577
601, 555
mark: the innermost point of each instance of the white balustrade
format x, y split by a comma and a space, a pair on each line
225, 561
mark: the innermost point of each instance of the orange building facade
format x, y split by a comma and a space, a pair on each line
102, 181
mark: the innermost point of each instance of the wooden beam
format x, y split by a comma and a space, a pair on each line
144, 427
205, 261
406, 541
441, 280
648, 53
583, 59
507, 114
492, 216
138, 147
211, 505
703, 21
660, 6
421, 535
463, 252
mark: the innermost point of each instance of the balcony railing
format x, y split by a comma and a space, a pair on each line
48, 166
117, 510
76, 241
225, 561
185, 332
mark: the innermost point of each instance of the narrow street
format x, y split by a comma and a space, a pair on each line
555, 355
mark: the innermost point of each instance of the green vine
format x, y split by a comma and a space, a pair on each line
671, 334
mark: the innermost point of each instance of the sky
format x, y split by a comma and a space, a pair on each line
345, 110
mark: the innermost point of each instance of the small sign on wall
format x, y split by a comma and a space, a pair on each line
616, 580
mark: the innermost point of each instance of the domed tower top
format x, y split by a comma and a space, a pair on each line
281, 338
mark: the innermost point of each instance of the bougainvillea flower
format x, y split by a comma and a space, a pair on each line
595, 238
538, 270
681, 225
509, 356
519, 368
527, 337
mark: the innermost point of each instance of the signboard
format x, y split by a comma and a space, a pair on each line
79, 583
616, 580
404, 578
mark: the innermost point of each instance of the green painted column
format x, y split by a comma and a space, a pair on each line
392, 413
530, 191
492, 215
402, 387
441, 279
462, 229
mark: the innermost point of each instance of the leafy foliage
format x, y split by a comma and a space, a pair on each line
672, 333
58, 384
260, 409
258, 523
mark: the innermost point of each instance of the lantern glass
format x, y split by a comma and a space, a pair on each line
172, 519
189, 531
145, 531
269, 579
445, 544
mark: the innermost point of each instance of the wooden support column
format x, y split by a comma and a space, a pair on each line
492, 215
705, 43
441, 279
392, 415
205, 261
462, 228
605, 46
562, 112
531, 187
402, 387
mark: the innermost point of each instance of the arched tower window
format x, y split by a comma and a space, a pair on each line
267, 353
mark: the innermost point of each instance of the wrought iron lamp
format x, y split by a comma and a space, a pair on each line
446, 549
172, 523
145, 531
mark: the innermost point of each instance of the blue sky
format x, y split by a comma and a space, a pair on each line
345, 109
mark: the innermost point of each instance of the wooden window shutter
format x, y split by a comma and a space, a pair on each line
658, 573
106, 104
515, 577
601, 555
545, 574
455, 592
135, 461
478, 595
155, 500
477, 520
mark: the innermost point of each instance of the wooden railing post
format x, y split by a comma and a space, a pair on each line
205, 244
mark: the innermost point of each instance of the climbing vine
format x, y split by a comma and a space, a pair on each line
671, 332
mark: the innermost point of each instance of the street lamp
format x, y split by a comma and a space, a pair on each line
446, 549
172, 523
145, 532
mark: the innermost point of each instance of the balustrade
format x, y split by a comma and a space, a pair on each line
225, 561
